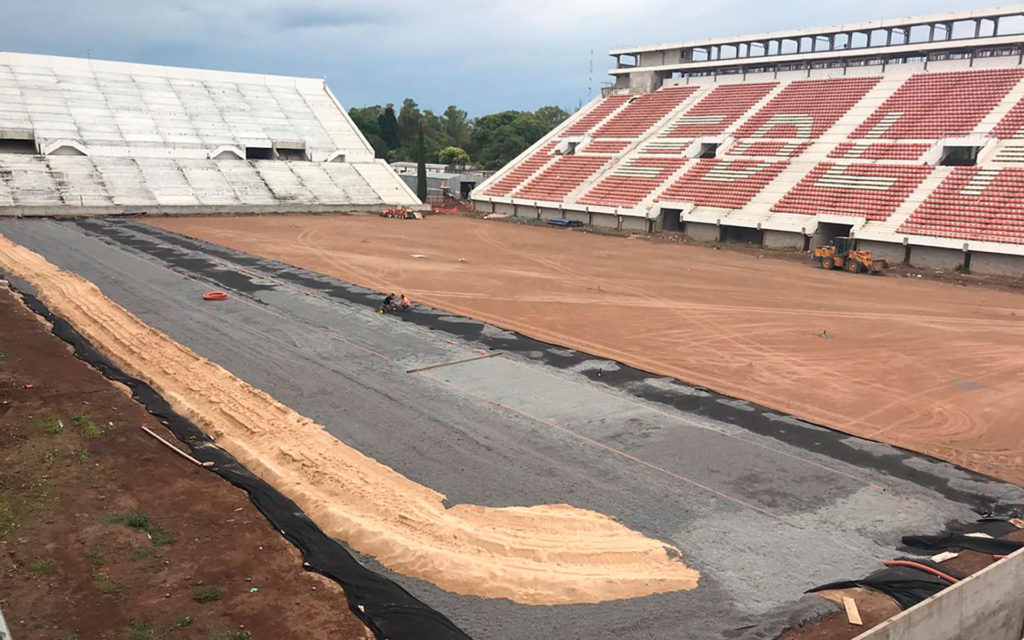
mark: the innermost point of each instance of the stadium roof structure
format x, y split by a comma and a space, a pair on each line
91, 134
949, 33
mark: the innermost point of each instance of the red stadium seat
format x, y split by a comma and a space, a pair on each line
872, 191
973, 203
564, 175
631, 182
723, 183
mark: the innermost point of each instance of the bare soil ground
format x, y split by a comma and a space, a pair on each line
925, 365
105, 533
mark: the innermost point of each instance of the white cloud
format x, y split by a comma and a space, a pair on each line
485, 55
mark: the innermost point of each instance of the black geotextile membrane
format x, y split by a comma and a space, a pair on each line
995, 526
906, 585
381, 604
959, 541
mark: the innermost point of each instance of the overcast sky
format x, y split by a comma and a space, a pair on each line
483, 55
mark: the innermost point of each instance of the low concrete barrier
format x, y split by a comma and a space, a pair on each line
986, 606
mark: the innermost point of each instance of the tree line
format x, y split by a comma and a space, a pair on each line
489, 142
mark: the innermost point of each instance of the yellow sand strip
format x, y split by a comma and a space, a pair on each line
541, 555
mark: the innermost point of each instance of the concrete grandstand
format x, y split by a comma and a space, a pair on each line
93, 137
907, 134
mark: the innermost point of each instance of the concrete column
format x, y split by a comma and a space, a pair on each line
888, 37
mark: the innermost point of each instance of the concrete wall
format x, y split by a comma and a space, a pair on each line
634, 223
546, 213
605, 220
507, 209
986, 606
526, 211
582, 216
997, 264
891, 252
783, 240
936, 258
702, 232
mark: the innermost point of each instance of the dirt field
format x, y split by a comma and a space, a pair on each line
928, 366
105, 533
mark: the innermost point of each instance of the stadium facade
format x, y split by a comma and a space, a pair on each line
907, 134
80, 137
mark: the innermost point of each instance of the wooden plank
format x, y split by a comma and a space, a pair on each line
852, 613
945, 555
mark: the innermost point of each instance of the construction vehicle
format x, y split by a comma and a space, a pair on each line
842, 253
401, 213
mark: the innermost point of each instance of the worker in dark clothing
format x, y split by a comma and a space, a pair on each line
388, 304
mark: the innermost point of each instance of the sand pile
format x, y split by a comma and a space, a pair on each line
550, 554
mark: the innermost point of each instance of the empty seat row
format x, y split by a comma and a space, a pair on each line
872, 191
605, 146
632, 182
779, 149
973, 203
522, 171
600, 111
806, 108
32, 181
879, 150
723, 183
564, 175
933, 105
644, 112
719, 109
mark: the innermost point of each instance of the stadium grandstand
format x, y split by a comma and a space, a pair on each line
907, 134
80, 137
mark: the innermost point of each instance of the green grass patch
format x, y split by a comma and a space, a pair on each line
135, 520
95, 557
142, 554
8, 519
53, 426
184, 622
69, 636
26, 494
159, 536
41, 568
85, 425
206, 594
106, 584
140, 629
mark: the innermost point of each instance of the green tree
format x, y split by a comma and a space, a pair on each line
455, 122
453, 156
409, 121
500, 137
388, 127
421, 168
551, 117
492, 140
368, 120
